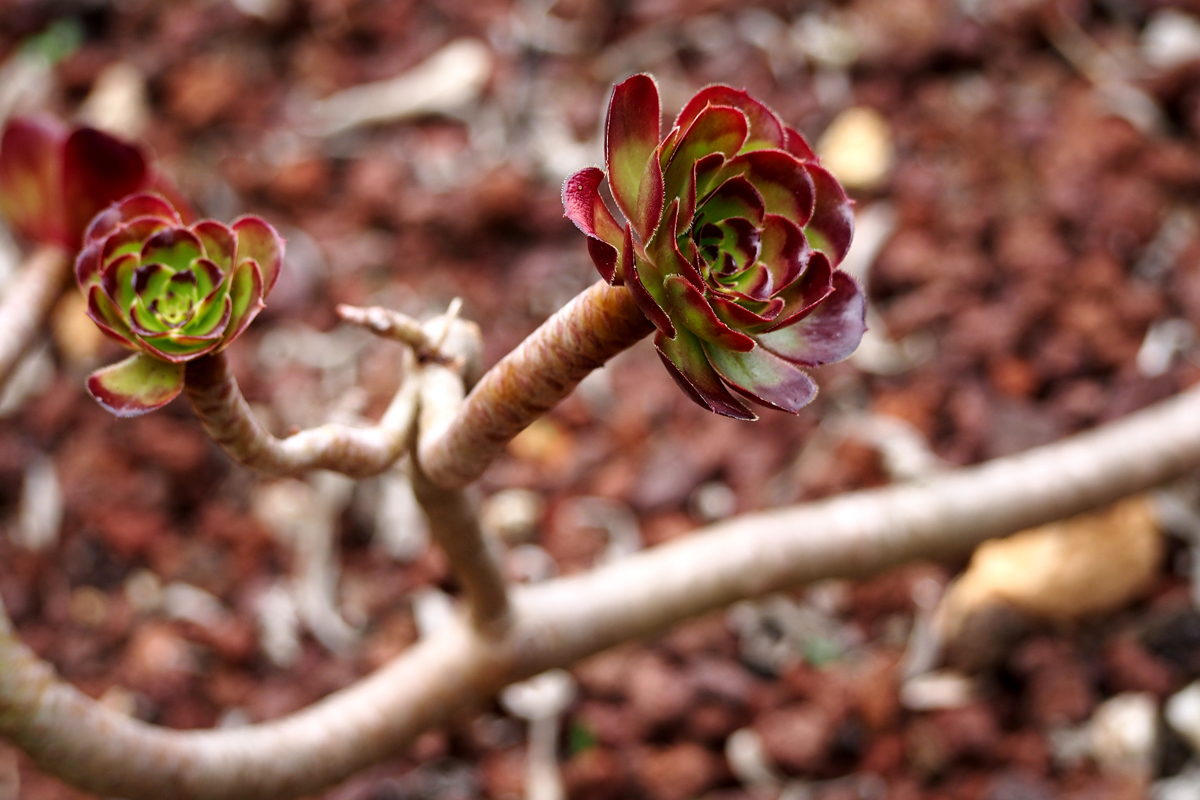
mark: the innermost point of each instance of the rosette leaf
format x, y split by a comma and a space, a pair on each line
732, 236
53, 179
170, 291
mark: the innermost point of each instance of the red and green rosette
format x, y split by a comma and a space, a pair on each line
170, 291
731, 243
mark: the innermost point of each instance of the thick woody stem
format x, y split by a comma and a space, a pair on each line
582, 336
357, 452
28, 302
560, 621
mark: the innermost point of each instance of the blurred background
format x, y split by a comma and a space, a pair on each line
1025, 173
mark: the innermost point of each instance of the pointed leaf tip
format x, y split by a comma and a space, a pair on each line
138, 385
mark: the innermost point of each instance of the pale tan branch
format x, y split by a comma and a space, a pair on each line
27, 303
561, 621
453, 517
545, 368
355, 451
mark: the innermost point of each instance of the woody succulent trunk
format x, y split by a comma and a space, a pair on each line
732, 237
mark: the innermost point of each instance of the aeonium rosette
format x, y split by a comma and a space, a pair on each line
732, 237
170, 291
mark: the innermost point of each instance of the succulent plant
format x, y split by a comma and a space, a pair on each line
53, 179
170, 291
732, 237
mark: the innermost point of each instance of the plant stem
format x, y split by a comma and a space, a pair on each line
357, 452
560, 621
27, 303
545, 368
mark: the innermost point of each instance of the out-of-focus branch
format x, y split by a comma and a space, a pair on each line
354, 451
27, 303
558, 622
582, 336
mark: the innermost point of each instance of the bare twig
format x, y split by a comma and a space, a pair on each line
581, 337
357, 452
453, 516
560, 621
27, 303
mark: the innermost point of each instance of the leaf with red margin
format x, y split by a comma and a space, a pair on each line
736, 197
583, 205
687, 306
738, 316
644, 280
828, 334
31, 178
108, 318
802, 295
131, 208
220, 243
784, 183
832, 220
136, 386
257, 241
97, 170
764, 377
685, 361
630, 138
784, 250
718, 130
766, 130
246, 291
797, 145
650, 196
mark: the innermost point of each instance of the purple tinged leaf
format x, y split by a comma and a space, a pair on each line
687, 363
257, 241
766, 130
631, 136
212, 315
134, 207
687, 306
783, 181
130, 237
246, 292
737, 314
137, 385
828, 334
583, 205
97, 170
832, 219
209, 277
149, 280
802, 296
736, 197
764, 377
143, 321
785, 250
88, 263
798, 146
649, 201
754, 282
605, 257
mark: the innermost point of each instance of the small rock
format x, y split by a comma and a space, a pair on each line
1124, 735
1183, 714
857, 148
937, 690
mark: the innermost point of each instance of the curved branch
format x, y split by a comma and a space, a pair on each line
561, 621
545, 368
28, 302
354, 451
